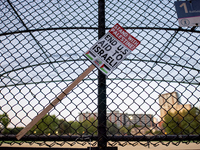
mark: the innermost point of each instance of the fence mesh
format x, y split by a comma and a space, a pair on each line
152, 96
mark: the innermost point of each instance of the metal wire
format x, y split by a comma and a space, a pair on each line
151, 98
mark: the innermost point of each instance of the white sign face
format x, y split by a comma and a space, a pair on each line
110, 50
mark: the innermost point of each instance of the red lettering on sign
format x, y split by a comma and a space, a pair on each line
123, 36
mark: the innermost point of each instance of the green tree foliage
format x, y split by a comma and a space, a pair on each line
90, 126
15, 130
184, 122
47, 125
111, 128
12, 130
123, 130
64, 127
75, 127
131, 127
87, 127
4, 121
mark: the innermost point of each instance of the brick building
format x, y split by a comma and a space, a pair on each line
122, 119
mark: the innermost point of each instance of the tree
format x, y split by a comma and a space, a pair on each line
131, 127
89, 127
184, 122
111, 128
15, 130
4, 121
64, 127
75, 127
191, 121
172, 123
47, 125
123, 130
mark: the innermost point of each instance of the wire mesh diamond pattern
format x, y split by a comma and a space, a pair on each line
154, 92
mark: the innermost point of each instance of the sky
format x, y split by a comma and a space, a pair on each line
36, 66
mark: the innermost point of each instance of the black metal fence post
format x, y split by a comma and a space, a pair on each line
101, 83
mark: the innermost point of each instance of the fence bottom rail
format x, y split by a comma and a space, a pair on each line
95, 138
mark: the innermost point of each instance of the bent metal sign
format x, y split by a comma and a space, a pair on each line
110, 50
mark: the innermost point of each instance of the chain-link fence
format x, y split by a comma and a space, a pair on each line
152, 96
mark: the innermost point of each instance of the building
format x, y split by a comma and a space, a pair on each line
87, 116
170, 102
113, 116
122, 119
139, 119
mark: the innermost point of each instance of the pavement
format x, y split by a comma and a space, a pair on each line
181, 146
